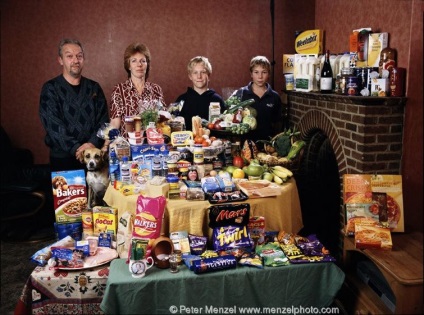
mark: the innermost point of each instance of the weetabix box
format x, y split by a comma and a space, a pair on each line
69, 195
309, 42
359, 201
376, 43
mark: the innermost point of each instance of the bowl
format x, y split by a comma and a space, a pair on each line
162, 247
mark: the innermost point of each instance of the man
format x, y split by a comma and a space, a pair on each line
72, 109
198, 98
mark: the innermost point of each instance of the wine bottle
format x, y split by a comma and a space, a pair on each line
326, 80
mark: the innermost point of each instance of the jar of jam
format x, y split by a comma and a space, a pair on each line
345, 73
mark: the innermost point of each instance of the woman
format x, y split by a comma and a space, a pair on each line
136, 94
267, 103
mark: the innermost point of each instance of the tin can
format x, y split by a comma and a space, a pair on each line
352, 88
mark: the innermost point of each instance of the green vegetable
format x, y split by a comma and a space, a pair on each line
251, 121
295, 149
235, 107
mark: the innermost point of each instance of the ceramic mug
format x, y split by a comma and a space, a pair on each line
138, 268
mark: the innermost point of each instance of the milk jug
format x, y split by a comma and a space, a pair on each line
303, 80
332, 63
344, 61
337, 64
313, 70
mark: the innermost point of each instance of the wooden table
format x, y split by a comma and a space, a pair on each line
402, 267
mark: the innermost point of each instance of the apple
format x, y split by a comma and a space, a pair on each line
238, 161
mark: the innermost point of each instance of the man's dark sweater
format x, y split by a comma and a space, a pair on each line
196, 104
72, 115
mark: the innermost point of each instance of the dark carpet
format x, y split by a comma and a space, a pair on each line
16, 266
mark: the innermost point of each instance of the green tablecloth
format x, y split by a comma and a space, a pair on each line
159, 292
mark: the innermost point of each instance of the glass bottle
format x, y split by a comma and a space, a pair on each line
326, 79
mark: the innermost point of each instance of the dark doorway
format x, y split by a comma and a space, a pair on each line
318, 182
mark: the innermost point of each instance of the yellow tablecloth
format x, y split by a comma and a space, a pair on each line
281, 212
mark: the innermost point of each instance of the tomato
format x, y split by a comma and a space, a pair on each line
205, 143
211, 126
198, 139
238, 161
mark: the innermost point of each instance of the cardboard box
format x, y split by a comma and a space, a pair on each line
259, 188
358, 192
376, 43
214, 110
105, 220
309, 42
288, 63
380, 87
146, 151
358, 45
372, 236
69, 195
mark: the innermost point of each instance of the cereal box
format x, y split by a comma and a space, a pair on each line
376, 43
361, 199
105, 220
309, 42
69, 195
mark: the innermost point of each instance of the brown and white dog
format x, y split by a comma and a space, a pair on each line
97, 164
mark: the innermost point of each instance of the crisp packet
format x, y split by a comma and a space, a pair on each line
272, 254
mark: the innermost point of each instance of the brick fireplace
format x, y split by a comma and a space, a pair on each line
363, 133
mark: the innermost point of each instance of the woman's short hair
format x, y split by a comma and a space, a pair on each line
130, 51
199, 59
260, 61
66, 41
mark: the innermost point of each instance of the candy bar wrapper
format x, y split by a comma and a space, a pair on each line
224, 215
214, 264
197, 244
226, 237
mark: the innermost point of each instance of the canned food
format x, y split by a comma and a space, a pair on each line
352, 87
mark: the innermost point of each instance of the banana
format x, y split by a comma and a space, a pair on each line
281, 174
277, 180
283, 169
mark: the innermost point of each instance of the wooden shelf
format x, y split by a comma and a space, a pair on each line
402, 267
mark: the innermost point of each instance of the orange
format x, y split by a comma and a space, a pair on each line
238, 173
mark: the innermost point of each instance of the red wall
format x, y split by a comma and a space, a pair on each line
229, 32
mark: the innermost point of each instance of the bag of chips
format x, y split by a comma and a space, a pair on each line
148, 219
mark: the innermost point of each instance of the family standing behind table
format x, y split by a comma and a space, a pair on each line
73, 108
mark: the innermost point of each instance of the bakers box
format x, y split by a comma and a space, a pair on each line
69, 195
